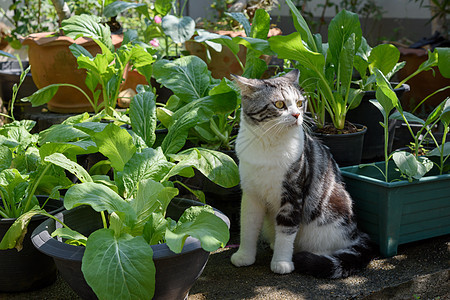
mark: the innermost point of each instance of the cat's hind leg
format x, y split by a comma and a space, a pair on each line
252, 215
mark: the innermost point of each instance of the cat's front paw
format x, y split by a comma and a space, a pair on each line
242, 259
282, 267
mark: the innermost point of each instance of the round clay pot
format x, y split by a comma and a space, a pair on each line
175, 273
52, 62
27, 269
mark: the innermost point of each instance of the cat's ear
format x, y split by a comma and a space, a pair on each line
246, 85
293, 76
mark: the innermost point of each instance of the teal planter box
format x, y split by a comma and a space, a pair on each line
398, 212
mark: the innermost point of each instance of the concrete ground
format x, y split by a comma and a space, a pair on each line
421, 270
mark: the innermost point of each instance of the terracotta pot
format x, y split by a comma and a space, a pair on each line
423, 84
52, 62
224, 63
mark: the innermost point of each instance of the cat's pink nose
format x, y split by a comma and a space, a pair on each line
296, 115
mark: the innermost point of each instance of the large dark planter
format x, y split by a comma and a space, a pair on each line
368, 115
398, 212
27, 269
175, 273
346, 148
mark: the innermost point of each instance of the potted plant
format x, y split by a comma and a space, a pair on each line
27, 170
246, 51
397, 204
106, 69
49, 55
132, 207
326, 76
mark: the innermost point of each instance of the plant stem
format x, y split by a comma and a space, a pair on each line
105, 225
33, 188
386, 144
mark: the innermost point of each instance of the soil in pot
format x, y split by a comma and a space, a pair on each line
27, 269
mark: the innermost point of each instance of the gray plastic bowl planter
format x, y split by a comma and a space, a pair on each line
398, 212
175, 273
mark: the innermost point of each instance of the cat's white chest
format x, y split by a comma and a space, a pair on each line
265, 160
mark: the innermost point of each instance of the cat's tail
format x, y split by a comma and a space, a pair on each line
340, 264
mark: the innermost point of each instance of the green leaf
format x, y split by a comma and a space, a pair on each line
88, 26
442, 148
163, 7
60, 133
188, 77
409, 117
150, 164
241, 18
120, 266
216, 166
179, 29
5, 157
143, 116
69, 234
115, 8
302, 27
384, 57
116, 144
100, 198
444, 61
341, 28
13, 238
291, 47
43, 95
411, 166
155, 228
385, 94
201, 223
60, 160
260, 24
178, 132
346, 58
152, 197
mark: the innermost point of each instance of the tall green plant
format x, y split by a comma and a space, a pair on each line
105, 69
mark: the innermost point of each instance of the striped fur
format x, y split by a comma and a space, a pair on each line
292, 188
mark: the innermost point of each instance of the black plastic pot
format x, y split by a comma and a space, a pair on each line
346, 148
9, 75
27, 269
368, 115
175, 273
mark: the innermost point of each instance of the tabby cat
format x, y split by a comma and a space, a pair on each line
292, 188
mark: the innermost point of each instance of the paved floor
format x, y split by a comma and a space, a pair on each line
421, 270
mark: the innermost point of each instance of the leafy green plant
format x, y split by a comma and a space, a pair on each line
412, 166
133, 203
327, 68
202, 109
26, 169
169, 29
256, 42
105, 69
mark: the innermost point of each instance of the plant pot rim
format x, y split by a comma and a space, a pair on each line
54, 39
352, 172
38, 217
43, 241
349, 135
402, 89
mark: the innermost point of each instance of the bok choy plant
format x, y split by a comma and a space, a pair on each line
105, 69
133, 202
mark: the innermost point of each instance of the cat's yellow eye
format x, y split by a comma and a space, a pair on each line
299, 103
279, 104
